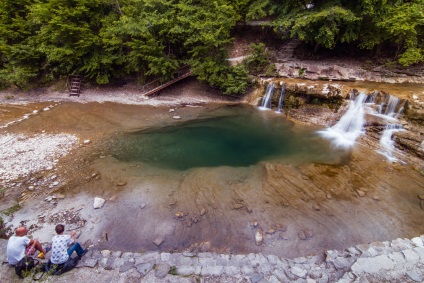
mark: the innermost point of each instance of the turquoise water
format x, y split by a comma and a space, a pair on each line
229, 136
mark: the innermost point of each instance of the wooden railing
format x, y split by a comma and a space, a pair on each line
157, 85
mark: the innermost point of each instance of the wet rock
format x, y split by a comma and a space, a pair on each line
158, 241
98, 202
162, 270
259, 237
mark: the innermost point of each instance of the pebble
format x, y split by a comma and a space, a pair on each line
158, 241
121, 183
360, 193
259, 237
176, 117
86, 141
98, 202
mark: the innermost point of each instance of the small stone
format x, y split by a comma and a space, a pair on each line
114, 197
90, 263
171, 110
375, 197
299, 272
105, 253
237, 206
60, 196
421, 197
143, 205
271, 231
202, 212
158, 241
414, 276
162, 270
98, 202
360, 193
87, 141
126, 266
328, 196
144, 268
259, 237
179, 214
417, 242
176, 117
316, 207
121, 183
255, 278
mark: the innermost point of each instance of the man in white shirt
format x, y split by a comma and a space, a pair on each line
60, 243
20, 245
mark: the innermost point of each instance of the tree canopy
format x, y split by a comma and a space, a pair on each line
103, 40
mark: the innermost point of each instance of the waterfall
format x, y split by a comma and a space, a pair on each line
386, 142
280, 101
349, 128
266, 101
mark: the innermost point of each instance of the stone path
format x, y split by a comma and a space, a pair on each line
400, 260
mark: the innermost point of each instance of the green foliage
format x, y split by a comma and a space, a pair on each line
46, 40
173, 270
258, 58
11, 210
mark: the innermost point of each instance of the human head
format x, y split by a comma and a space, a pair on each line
21, 231
60, 228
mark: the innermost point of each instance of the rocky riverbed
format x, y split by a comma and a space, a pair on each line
273, 208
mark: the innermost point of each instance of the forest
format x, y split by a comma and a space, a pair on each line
42, 41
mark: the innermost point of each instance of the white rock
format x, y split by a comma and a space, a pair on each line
176, 117
259, 237
98, 202
87, 141
414, 97
171, 110
417, 241
46, 109
35, 112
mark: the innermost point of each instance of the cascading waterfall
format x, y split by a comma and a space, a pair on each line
280, 101
266, 101
386, 142
349, 128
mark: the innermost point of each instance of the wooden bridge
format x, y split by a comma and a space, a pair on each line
157, 85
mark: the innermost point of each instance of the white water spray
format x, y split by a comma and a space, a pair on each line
386, 142
266, 101
280, 101
349, 128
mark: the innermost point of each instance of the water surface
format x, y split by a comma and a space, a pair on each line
229, 136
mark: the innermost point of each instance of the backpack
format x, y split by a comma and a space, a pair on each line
58, 269
25, 265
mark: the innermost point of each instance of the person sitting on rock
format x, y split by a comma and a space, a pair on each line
64, 245
19, 246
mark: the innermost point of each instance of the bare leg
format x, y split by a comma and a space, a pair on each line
39, 247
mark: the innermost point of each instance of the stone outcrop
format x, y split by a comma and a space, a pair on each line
315, 70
